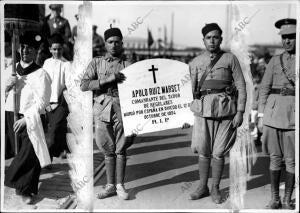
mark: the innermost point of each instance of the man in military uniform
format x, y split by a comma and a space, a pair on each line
102, 76
277, 114
59, 25
219, 103
98, 43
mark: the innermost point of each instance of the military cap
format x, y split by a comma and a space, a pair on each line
56, 39
31, 38
286, 26
113, 31
210, 27
55, 6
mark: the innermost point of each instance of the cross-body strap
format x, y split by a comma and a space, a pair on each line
284, 70
209, 68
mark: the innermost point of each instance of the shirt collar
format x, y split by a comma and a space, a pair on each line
26, 68
24, 64
213, 55
59, 59
289, 56
109, 58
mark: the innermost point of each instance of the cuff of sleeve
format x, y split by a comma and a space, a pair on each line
260, 115
254, 114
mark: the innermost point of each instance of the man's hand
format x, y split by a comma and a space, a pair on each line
260, 124
253, 115
19, 125
237, 120
10, 83
120, 77
185, 126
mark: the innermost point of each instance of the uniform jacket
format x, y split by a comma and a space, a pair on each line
100, 68
60, 26
227, 69
278, 110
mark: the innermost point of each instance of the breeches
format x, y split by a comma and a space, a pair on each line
212, 137
279, 144
110, 137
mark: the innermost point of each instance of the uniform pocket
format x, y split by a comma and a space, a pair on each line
269, 108
223, 73
224, 106
197, 107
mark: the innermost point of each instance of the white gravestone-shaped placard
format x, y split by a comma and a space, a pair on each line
155, 96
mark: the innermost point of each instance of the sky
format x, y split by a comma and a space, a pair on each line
189, 18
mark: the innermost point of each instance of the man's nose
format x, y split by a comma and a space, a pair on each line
25, 50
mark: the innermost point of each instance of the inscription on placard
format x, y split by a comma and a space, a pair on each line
153, 97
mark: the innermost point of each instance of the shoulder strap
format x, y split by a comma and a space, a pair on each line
209, 68
284, 70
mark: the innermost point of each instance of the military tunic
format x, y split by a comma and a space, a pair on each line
109, 130
60, 26
213, 133
278, 113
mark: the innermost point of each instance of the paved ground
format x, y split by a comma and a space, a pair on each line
54, 187
162, 172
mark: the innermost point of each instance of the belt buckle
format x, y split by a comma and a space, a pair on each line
208, 91
284, 91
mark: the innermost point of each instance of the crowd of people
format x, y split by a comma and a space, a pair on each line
216, 77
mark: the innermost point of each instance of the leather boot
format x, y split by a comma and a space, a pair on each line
121, 165
217, 171
202, 190
275, 202
289, 187
110, 188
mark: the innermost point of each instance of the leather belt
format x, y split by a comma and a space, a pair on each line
211, 91
230, 90
208, 92
283, 91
